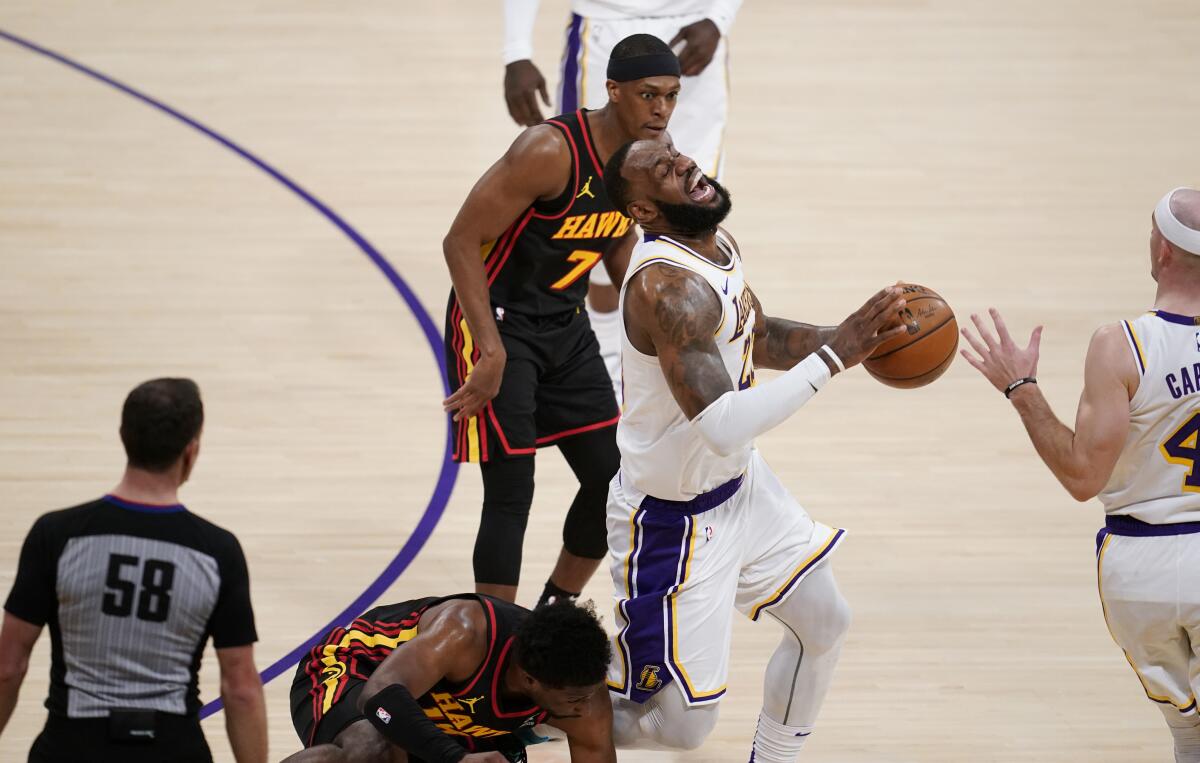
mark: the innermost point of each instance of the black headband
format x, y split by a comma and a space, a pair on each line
641, 67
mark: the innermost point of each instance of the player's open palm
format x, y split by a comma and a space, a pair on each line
481, 386
869, 326
1000, 359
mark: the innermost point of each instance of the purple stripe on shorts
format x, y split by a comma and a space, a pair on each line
1123, 525
658, 568
698, 505
570, 67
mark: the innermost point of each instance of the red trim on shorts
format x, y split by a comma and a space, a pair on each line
577, 430
491, 613
587, 139
504, 440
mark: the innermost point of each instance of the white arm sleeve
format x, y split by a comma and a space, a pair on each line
722, 13
518, 29
734, 419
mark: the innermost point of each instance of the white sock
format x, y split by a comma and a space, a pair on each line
777, 743
607, 327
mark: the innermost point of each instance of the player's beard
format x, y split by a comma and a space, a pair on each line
693, 218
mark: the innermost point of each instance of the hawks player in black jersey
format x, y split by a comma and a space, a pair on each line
523, 361
448, 679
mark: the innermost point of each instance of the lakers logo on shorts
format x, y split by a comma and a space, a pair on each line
649, 680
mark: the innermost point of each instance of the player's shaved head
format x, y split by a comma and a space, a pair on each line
1185, 205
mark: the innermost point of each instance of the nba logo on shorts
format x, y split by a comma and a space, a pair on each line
383, 715
708, 533
649, 680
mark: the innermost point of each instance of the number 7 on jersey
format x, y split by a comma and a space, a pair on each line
586, 260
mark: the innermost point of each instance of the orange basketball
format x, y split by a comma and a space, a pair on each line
921, 355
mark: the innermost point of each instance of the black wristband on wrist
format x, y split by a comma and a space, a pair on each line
1012, 387
395, 714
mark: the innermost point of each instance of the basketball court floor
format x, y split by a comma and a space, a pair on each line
1004, 154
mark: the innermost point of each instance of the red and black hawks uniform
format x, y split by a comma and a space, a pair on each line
555, 384
332, 675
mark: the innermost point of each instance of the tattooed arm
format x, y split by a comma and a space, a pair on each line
673, 313
780, 344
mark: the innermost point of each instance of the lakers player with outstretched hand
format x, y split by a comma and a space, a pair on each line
697, 523
523, 361
1135, 446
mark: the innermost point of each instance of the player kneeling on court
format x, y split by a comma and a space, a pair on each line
453, 679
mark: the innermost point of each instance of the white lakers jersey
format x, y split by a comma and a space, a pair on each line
1157, 477
661, 453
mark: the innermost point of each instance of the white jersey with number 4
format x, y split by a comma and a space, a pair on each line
1157, 477
662, 454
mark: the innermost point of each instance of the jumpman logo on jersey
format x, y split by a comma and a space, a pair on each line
587, 188
470, 703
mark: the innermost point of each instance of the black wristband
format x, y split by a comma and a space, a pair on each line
1012, 387
395, 714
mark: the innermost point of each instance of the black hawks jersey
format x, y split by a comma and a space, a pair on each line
473, 712
539, 265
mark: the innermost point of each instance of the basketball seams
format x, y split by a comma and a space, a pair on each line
936, 370
926, 335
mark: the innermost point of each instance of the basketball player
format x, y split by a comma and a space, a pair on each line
523, 361
454, 678
698, 127
132, 585
697, 523
1134, 446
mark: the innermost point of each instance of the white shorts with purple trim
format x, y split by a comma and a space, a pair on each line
680, 569
1149, 578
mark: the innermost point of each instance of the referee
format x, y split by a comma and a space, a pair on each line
131, 586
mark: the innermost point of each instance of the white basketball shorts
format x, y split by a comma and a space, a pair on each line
1149, 578
681, 568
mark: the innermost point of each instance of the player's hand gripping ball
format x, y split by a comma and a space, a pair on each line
925, 351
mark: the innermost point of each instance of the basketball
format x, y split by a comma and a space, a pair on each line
925, 351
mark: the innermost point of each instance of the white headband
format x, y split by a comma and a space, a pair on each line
1174, 231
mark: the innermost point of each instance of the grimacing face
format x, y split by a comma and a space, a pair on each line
644, 106
666, 185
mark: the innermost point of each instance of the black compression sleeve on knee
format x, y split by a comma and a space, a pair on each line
594, 458
398, 717
507, 494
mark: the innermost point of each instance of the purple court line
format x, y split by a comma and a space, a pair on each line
449, 471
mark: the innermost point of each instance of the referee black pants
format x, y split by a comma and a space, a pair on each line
178, 739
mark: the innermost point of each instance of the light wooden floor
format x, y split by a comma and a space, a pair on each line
1002, 153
